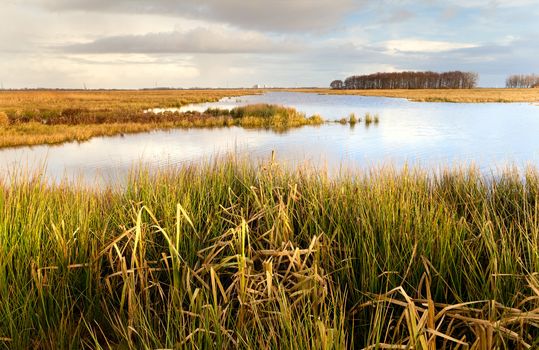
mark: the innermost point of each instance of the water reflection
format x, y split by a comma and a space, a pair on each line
429, 134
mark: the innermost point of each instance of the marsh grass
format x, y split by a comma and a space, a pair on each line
266, 116
48, 117
477, 95
70, 127
352, 119
235, 255
4, 119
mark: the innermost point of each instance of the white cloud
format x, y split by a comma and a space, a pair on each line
270, 15
423, 46
199, 40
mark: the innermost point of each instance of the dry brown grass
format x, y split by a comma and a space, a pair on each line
30, 134
58, 100
81, 124
4, 120
443, 95
50, 117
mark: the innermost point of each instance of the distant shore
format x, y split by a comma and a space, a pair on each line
477, 95
34, 117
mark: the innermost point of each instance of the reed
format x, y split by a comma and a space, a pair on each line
369, 119
235, 255
352, 119
266, 116
70, 126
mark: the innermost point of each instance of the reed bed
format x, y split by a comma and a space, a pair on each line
55, 116
368, 119
235, 255
263, 115
80, 125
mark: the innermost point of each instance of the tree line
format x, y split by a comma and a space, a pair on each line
522, 81
409, 80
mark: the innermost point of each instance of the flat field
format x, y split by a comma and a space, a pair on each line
478, 95
34, 117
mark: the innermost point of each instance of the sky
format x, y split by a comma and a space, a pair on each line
239, 43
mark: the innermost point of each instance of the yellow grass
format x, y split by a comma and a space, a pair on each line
443, 95
30, 134
122, 111
50, 100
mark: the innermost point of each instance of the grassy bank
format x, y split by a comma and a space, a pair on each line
231, 255
107, 105
50, 116
73, 126
478, 95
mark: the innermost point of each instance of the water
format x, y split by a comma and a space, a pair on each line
490, 136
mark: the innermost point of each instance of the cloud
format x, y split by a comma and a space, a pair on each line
400, 16
274, 15
419, 45
199, 40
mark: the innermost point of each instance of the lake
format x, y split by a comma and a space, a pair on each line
489, 135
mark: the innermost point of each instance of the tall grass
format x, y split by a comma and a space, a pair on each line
265, 116
70, 126
233, 255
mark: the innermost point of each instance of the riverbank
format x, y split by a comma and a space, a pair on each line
478, 95
232, 255
52, 117
33, 117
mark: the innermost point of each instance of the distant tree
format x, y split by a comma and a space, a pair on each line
413, 80
336, 84
522, 81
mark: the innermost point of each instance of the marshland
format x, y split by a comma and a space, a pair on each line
234, 248
344, 174
231, 254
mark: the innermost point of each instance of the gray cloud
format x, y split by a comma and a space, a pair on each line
200, 40
269, 15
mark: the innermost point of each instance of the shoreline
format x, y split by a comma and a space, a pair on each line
476, 95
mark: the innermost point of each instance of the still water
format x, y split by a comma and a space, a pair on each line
488, 135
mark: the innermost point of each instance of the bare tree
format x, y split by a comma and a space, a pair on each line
413, 80
522, 81
336, 84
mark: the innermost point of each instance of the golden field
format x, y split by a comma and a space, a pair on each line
478, 95
33, 117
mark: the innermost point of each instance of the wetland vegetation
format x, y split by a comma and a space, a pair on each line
37, 117
49, 117
235, 255
477, 95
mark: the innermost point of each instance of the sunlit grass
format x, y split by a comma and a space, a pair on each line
48, 116
477, 95
81, 125
232, 255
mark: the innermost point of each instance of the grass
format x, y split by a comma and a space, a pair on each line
38, 134
353, 119
477, 95
266, 116
43, 126
233, 255
47, 117
369, 119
